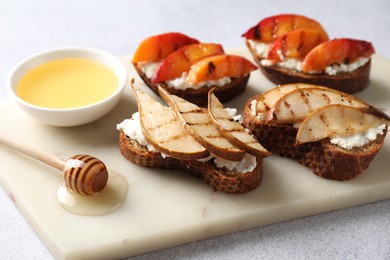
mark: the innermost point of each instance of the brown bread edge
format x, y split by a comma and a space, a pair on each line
219, 179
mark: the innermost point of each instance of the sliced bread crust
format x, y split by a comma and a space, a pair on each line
199, 96
350, 83
220, 179
323, 158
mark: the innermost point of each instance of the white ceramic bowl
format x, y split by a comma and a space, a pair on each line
68, 116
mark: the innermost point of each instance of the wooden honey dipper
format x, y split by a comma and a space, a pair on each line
83, 174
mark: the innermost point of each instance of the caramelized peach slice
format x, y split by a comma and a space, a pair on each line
271, 28
181, 60
219, 66
157, 47
337, 51
295, 44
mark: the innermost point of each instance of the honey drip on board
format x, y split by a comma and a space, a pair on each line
105, 202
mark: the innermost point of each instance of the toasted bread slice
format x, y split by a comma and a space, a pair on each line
323, 158
151, 134
350, 82
199, 96
220, 179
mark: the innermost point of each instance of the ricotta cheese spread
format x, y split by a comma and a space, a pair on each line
149, 69
292, 64
358, 140
247, 164
340, 68
182, 83
253, 109
133, 129
253, 106
233, 113
262, 49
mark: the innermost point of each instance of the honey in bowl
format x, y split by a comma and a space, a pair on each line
67, 83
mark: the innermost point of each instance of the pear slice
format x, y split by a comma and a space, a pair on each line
268, 99
231, 129
198, 124
295, 105
163, 130
336, 120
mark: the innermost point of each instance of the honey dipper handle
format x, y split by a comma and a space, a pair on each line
47, 158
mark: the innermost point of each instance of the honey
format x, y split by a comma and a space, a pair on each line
67, 83
105, 202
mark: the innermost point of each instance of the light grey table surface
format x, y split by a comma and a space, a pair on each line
28, 27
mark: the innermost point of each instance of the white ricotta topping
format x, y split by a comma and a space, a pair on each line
182, 83
149, 69
247, 164
233, 113
267, 63
253, 110
252, 107
292, 64
133, 129
261, 48
340, 68
358, 140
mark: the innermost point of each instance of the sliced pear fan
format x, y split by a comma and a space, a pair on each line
295, 105
267, 100
163, 131
336, 120
198, 124
231, 129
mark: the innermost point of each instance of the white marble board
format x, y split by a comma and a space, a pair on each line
165, 207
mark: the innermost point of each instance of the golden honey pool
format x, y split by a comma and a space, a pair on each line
68, 86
